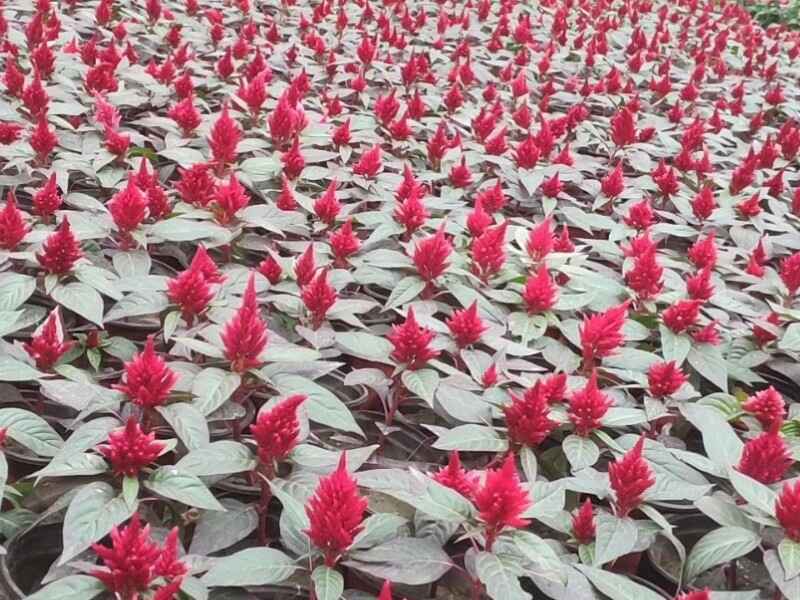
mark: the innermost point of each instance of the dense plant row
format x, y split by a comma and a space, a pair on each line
418, 299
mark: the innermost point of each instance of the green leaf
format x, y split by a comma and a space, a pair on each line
328, 583
170, 482
581, 452
720, 441
293, 521
674, 346
74, 465
790, 341
81, 299
132, 264
14, 370
405, 560
755, 492
91, 514
709, 362
322, 405
72, 587
30, 430
501, 576
615, 537
617, 587
546, 562
218, 458
423, 383
137, 304
719, 546
253, 566
477, 438
364, 345
130, 490
3, 475
217, 530
405, 291
442, 503
789, 553
15, 289
188, 423
212, 387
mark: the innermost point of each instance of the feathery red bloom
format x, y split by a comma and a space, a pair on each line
588, 406
305, 266
60, 250
117, 143
129, 449
204, 264
630, 477
526, 153
645, 278
148, 380
601, 334
489, 377
186, 116
191, 292
528, 417
488, 251
129, 561
318, 297
327, 206
276, 430
284, 121
460, 176
640, 215
386, 591
552, 187
335, 513
411, 212
613, 184
47, 343
271, 269
703, 204
501, 501
623, 127
341, 135
412, 343
430, 255
43, 139
583, 525
466, 326
344, 243
695, 595
666, 179
540, 240
245, 334
478, 219
699, 286
703, 253
456, 477
768, 407
540, 292
664, 379
47, 200
286, 200
224, 138
229, 199
9, 132
128, 207
492, 198
682, 315
167, 565
790, 273
766, 458
196, 186
787, 510
370, 164
13, 228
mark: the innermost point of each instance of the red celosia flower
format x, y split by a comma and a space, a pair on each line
284, 121
645, 278
196, 185
430, 255
666, 179
768, 407
412, 343
540, 292
318, 297
460, 176
492, 198
528, 417
411, 212
47, 344
386, 591
229, 199
327, 206
601, 334
276, 431
129, 561
790, 273
488, 252
540, 240
335, 513
186, 116
35, 97
623, 127
245, 334
148, 380
526, 153
583, 525
703, 253
707, 334
501, 501
117, 143
630, 477
456, 477
9, 132
588, 406
695, 595
344, 243
128, 207
489, 377
47, 199
478, 219
640, 215
60, 251
13, 228
129, 449
271, 269
699, 286
613, 184
682, 315
664, 379
191, 292
369, 165
341, 135
224, 138
43, 139
466, 326
766, 458
203, 263
787, 510
167, 565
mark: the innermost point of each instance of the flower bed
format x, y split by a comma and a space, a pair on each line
410, 299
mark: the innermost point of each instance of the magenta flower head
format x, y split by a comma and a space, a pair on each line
528, 417
129, 449
466, 326
412, 343
588, 406
245, 335
630, 477
488, 252
276, 430
767, 406
601, 334
766, 458
148, 380
370, 164
60, 251
319, 296
695, 595
664, 379
583, 524
224, 138
335, 513
456, 477
787, 510
129, 561
13, 228
47, 344
501, 501
431, 254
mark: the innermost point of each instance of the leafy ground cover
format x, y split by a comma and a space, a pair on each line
402, 299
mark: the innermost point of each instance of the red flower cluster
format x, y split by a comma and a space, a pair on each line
148, 380
276, 430
501, 501
766, 458
245, 335
47, 343
129, 449
412, 343
588, 406
528, 417
457, 477
630, 477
